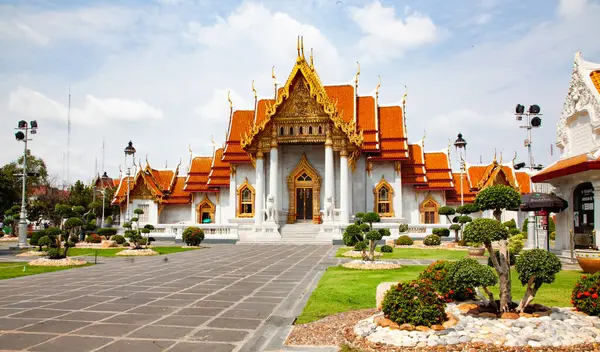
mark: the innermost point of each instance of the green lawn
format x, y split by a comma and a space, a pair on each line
342, 289
417, 253
10, 270
111, 252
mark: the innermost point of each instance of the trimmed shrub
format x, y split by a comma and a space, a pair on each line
585, 294
364, 227
414, 302
516, 244
402, 228
352, 235
432, 240
93, 238
384, 232
511, 224
442, 232
467, 274
47, 242
514, 231
193, 236
35, 238
386, 249
511, 258
360, 246
536, 267
437, 274
54, 253
107, 232
118, 239
404, 240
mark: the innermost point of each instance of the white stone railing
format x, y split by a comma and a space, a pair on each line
215, 231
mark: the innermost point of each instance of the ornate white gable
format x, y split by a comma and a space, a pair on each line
582, 96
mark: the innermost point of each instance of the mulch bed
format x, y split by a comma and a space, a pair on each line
338, 329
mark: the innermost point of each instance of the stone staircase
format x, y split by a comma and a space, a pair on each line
301, 233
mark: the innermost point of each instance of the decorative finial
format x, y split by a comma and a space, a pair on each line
500, 158
494, 155
404, 96
274, 80
214, 145
423, 139
356, 77
377, 88
229, 99
302, 47
515, 158
298, 48
254, 90
147, 163
190, 148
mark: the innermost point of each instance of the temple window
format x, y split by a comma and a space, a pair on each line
309, 129
145, 216
383, 193
245, 200
300, 129
429, 211
281, 131
206, 211
320, 130
291, 131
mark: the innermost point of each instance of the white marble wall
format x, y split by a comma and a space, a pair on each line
581, 138
152, 213
174, 213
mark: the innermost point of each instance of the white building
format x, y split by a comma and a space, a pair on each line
300, 164
576, 175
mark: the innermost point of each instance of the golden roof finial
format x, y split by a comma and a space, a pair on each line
212, 140
312, 63
494, 155
356, 76
302, 47
500, 158
190, 148
299, 58
377, 88
274, 80
404, 96
515, 158
423, 140
254, 90
147, 163
229, 99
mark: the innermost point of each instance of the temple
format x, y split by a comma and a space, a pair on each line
301, 163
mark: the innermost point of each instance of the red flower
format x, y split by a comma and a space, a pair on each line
451, 292
584, 277
572, 302
586, 293
579, 295
594, 304
595, 296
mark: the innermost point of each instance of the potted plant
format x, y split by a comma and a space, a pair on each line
588, 259
476, 249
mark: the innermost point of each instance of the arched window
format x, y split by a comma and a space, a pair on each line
304, 177
245, 200
291, 131
206, 211
384, 196
429, 211
309, 129
300, 129
281, 131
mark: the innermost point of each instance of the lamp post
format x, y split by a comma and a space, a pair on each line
103, 191
129, 151
23, 136
460, 144
533, 120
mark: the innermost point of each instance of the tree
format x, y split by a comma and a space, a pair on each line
467, 272
364, 222
63, 211
536, 267
9, 192
73, 227
487, 231
80, 194
496, 198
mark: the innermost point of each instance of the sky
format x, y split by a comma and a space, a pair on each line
157, 72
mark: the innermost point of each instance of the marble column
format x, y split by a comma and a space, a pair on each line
260, 185
193, 216
233, 203
329, 198
531, 235
344, 198
273, 178
596, 186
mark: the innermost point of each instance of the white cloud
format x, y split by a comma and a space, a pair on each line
387, 36
483, 18
95, 111
571, 8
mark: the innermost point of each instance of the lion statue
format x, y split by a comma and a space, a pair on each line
270, 207
329, 208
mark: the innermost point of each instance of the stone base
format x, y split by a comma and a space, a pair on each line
266, 232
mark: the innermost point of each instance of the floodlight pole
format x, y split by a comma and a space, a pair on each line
23, 216
529, 127
461, 144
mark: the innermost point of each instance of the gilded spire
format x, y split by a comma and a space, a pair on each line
302, 47
404, 96
356, 76
214, 145
423, 140
515, 158
494, 156
274, 80
500, 158
299, 58
254, 90
377, 89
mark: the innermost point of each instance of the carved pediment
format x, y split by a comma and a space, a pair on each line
140, 191
300, 104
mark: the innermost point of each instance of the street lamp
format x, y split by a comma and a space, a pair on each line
460, 144
129, 151
22, 135
103, 191
533, 121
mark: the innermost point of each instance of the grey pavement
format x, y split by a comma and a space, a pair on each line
222, 298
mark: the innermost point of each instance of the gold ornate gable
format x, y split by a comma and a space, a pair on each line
305, 114
495, 175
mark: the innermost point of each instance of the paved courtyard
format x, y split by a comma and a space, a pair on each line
224, 298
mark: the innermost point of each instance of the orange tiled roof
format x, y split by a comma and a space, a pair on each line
568, 166
219, 171
453, 195
475, 173
105, 182
164, 185
524, 182
595, 76
178, 193
261, 109
344, 96
197, 179
238, 123
413, 168
393, 144
121, 192
438, 171
366, 120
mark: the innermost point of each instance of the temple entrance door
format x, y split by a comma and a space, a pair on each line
304, 204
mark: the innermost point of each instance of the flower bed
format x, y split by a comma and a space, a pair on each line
367, 265
56, 262
137, 252
557, 327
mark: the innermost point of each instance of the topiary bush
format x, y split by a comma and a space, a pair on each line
46, 242
442, 232
352, 235
54, 253
414, 302
384, 232
193, 236
437, 274
467, 274
402, 228
360, 246
585, 294
536, 267
386, 249
35, 238
516, 244
107, 232
118, 239
432, 240
93, 238
404, 240
514, 231
511, 224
